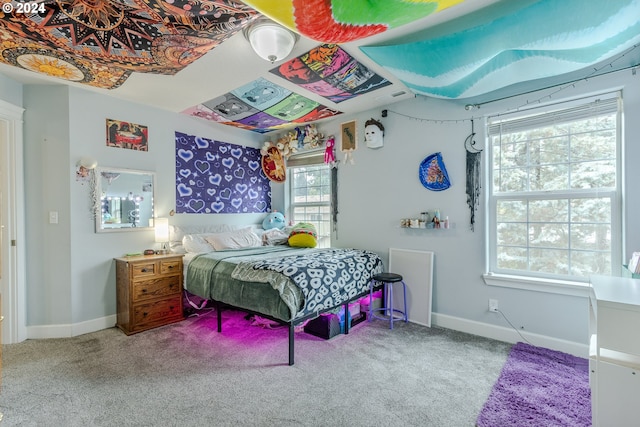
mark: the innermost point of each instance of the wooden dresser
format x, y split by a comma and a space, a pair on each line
614, 353
148, 291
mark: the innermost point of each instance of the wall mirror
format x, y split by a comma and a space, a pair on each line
124, 199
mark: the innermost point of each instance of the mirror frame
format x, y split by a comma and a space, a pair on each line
99, 191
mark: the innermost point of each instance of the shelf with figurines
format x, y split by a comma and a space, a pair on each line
427, 220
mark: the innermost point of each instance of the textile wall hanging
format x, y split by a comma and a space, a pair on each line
100, 43
261, 106
218, 177
348, 143
433, 174
330, 72
342, 21
127, 135
473, 175
534, 42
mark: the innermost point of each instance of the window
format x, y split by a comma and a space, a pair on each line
309, 194
554, 200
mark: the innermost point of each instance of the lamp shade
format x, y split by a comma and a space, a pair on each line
161, 227
270, 40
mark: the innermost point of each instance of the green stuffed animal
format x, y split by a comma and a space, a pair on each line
303, 235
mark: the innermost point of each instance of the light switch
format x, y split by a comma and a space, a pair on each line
53, 217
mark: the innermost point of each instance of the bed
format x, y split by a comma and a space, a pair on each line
278, 282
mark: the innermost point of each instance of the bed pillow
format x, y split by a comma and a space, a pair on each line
196, 243
177, 233
303, 235
274, 236
238, 239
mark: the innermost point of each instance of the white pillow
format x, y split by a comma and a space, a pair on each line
196, 243
274, 236
238, 239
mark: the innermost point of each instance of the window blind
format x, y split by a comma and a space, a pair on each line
601, 105
307, 158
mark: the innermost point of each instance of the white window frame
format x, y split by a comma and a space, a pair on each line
307, 159
521, 279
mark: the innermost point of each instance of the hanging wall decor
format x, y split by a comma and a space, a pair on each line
127, 135
272, 162
217, 177
433, 174
348, 140
473, 175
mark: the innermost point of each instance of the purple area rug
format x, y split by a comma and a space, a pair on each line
539, 387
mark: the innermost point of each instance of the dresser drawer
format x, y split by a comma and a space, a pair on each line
159, 311
154, 288
140, 269
171, 266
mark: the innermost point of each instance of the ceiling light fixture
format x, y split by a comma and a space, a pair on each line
269, 40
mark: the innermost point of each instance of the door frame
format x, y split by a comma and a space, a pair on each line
12, 231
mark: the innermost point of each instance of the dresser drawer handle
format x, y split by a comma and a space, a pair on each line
171, 266
144, 270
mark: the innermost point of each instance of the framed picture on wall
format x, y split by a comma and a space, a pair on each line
348, 139
127, 135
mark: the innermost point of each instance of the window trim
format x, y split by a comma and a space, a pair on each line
306, 159
541, 282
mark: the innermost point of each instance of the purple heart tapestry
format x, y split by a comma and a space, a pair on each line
218, 177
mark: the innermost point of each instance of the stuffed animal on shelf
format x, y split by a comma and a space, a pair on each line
303, 235
274, 220
329, 151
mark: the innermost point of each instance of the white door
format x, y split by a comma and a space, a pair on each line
12, 236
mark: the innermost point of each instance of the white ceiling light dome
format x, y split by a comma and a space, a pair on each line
269, 40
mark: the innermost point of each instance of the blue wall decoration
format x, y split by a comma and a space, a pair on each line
433, 174
218, 177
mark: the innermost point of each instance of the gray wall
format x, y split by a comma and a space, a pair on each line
70, 269
383, 186
71, 277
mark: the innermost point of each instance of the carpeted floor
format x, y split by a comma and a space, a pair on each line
539, 387
187, 374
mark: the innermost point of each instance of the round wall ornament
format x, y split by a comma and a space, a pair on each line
433, 174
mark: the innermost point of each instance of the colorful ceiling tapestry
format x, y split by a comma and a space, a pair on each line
261, 106
329, 71
342, 21
100, 43
217, 177
535, 41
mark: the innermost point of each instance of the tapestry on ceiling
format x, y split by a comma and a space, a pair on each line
100, 43
261, 106
329, 71
534, 43
218, 177
342, 21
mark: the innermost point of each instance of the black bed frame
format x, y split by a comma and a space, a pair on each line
291, 324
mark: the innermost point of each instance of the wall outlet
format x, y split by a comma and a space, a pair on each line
493, 305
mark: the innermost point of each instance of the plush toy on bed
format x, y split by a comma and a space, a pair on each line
303, 235
274, 220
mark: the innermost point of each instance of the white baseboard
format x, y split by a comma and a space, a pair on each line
72, 330
509, 335
486, 330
